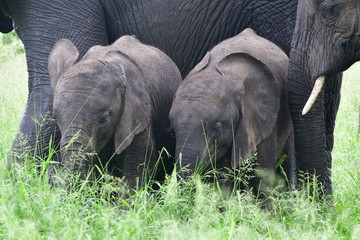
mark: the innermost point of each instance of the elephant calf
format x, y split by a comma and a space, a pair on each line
233, 104
114, 101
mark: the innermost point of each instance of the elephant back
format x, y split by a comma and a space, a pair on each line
154, 63
159, 74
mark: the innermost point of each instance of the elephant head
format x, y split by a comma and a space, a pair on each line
89, 102
326, 41
223, 110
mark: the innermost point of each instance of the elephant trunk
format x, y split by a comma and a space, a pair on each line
75, 153
310, 129
187, 158
193, 156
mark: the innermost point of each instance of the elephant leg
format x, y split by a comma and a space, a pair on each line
165, 144
266, 152
38, 132
139, 160
289, 166
39, 30
265, 171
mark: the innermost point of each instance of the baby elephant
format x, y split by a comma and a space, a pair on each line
114, 101
233, 104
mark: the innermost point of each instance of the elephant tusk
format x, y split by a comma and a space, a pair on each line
319, 83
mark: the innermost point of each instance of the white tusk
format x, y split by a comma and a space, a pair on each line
319, 83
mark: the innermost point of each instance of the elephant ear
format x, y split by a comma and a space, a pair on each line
136, 117
62, 56
114, 68
203, 63
259, 102
137, 110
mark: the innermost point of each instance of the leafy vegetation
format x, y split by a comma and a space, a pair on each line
31, 209
10, 41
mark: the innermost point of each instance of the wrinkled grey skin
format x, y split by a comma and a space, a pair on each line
326, 42
184, 29
233, 104
114, 101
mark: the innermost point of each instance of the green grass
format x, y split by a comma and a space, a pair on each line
30, 209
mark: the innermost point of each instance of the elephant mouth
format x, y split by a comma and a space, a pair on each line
319, 83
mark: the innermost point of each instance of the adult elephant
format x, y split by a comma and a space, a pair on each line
185, 30
326, 42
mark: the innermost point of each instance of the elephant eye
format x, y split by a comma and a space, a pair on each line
104, 118
330, 11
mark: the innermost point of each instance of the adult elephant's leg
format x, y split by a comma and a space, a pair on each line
40, 24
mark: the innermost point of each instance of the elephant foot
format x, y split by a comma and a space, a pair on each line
42, 143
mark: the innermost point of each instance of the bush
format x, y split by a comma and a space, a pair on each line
11, 41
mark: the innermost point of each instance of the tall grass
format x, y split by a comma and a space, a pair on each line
31, 209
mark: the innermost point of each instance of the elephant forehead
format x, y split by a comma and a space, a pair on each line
85, 85
81, 98
78, 106
86, 81
201, 86
193, 111
90, 71
84, 95
86, 66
